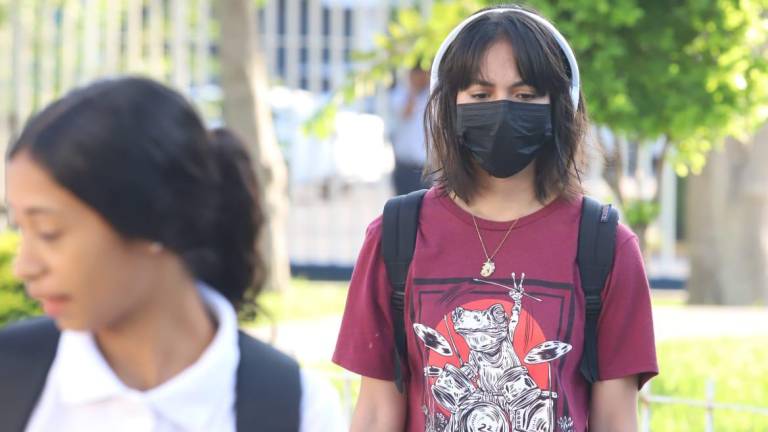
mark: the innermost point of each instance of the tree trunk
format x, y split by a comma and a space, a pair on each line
728, 225
247, 112
613, 170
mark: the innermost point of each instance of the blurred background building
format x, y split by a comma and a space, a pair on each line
708, 232
337, 183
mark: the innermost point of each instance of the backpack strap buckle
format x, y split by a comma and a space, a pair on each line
593, 305
398, 300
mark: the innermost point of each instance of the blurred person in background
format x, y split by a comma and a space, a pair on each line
138, 238
408, 103
492, 322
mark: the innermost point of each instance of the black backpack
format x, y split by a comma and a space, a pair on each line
597, 240
268, 390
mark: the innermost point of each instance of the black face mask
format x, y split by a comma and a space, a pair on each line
504, 136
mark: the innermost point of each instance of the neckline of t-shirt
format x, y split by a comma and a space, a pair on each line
486, 224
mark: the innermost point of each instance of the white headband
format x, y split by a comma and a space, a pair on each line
575, 82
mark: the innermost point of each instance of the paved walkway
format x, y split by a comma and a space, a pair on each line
310, 341
709, 321
331, 230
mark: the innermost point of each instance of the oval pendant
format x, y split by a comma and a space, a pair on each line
488, 268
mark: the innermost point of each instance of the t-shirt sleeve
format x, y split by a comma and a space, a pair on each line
366, 343
626, 344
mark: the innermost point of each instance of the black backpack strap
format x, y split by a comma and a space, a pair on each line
597, 242
27, 350
398, 240
268, 381
268, 389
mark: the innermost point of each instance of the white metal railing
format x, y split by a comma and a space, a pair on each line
647, 401
53, 45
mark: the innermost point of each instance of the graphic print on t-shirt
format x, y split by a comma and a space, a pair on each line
482, 375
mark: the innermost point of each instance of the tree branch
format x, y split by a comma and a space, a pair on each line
658, 167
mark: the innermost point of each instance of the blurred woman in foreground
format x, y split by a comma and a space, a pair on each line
138, 238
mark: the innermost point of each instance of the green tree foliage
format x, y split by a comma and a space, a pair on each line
690, 72
687, 73
14, 303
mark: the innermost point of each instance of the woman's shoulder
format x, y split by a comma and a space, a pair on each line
375, 227
624, 234
28, 334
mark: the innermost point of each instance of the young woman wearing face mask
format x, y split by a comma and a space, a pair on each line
138, 238
494, 316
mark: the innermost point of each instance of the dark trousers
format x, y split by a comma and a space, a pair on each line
407, 178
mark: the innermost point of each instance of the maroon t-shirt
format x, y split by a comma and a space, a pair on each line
499, 356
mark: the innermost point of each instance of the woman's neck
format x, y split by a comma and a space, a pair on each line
502, 200
168, 334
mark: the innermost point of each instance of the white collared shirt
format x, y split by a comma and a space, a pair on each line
83, 394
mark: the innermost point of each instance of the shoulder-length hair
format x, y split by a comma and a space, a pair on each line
542, 65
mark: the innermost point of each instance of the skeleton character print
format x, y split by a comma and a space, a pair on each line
480, 376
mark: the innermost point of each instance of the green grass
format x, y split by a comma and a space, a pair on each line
308, 300
305, 300
668, 298
14, 303
739, 368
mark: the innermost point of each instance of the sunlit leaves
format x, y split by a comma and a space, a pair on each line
692, 71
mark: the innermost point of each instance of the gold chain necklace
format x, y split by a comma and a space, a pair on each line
489, 266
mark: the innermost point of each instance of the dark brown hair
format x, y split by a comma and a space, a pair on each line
138, 154
542, 65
